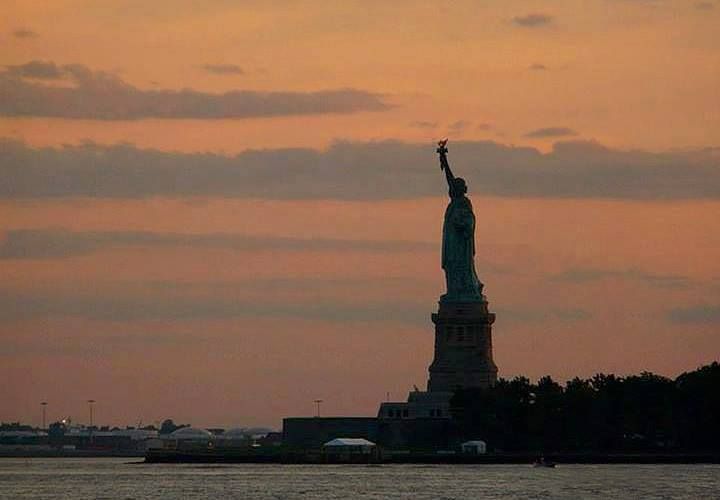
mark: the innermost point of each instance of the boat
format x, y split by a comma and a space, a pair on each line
541, 462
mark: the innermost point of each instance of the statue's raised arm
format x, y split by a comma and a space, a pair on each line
445, 166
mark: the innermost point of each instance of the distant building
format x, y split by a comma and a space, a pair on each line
23, 438
81, 437
419, 404
313, 432
232, 438
188, 438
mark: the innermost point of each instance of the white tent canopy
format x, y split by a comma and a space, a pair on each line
338, 442
476, 447
190, 433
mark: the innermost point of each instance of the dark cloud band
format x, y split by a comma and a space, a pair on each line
532, 20
700, 314
224, 69
128, 307
57, 243
96, 95
655, 280
551, 132
357, 171
24, 33
176, 301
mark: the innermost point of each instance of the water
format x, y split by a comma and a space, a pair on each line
115, 478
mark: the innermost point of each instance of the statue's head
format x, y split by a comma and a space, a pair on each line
459, 187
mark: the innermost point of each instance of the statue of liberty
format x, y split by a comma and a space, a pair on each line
458, 246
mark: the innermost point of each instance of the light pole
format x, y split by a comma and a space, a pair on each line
317, 402
91, 402
44, 405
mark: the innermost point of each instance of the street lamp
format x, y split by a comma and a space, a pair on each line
317, 402
43, 404
91, 402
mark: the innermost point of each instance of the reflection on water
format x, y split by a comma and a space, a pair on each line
114, 478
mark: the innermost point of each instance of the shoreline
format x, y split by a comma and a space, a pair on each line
230, 457
49, 453
420, 458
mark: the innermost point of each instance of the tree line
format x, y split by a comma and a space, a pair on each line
607, 413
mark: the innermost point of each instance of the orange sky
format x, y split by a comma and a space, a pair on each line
228, 308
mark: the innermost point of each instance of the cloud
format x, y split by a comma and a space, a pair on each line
224, 69
537, 67
58, 243
652, 3
97, 95
24, 33
551, 132
173, 303
187, 301
541, 315
484, 126
586, 275
42, 70
695, 314
532, 20
458, 126
424, 124
357, 171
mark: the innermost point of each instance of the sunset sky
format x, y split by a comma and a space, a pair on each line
218, 211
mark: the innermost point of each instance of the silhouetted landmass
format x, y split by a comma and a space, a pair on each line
606, 413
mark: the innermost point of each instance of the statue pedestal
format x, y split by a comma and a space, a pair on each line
463, 347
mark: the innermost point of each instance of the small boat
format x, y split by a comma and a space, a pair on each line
541, 462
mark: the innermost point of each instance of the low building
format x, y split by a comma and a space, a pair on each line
236, 437
23, 438
312, 432
423, 422
104, 438
188, 438
419, 404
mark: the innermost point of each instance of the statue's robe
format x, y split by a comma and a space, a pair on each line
458, 251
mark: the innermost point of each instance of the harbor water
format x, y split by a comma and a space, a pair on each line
120, 478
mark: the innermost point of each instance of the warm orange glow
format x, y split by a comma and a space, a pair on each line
209, 331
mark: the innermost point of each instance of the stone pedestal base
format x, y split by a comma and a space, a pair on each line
463, 347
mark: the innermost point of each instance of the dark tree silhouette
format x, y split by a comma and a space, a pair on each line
606, 413
169, 426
